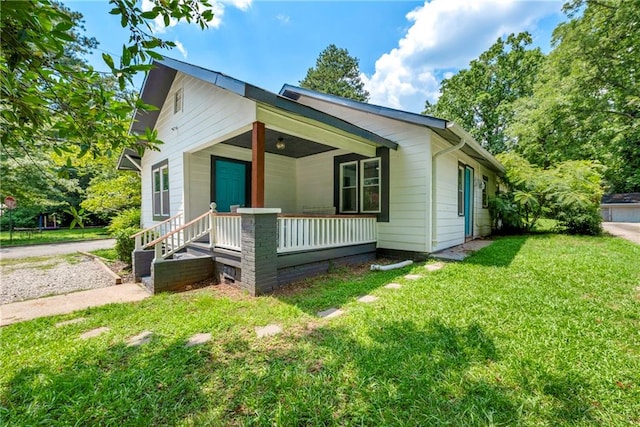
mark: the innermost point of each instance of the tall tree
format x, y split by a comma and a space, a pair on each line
586, 103
48, 103
480, 98
336, 73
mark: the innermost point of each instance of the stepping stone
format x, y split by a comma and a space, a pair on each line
413, 277
393, 286
434, 267
268, 331
198, 339
94, 332
330, 313
141, 338
70, 322
368, 298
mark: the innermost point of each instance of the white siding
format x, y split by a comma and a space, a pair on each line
280, 178
209, 115
450, 226
315, 180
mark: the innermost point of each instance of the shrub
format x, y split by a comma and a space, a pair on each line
122, 227
125, 244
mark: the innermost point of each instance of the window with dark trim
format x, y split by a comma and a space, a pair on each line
160, 190
485, 191
460, 189
362, 184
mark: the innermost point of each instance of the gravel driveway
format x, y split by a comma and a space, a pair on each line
35, 278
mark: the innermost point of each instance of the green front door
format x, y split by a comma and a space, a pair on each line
468, 202
230, 184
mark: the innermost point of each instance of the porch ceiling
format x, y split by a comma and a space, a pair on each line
294, 146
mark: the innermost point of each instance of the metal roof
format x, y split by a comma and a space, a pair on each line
158, 82
449, 131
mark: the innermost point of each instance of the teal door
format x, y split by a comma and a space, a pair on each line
230, 184
468, 202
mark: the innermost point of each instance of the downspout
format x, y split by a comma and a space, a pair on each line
433, 233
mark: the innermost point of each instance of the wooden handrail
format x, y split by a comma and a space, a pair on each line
139, 233
293, 215
177, 230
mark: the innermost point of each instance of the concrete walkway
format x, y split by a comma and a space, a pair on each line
626, 230
63, 304
53, 249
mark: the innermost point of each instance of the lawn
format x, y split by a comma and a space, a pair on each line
52, 236
539, 330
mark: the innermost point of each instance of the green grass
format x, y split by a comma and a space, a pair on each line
108, 254
21, 238
538, 330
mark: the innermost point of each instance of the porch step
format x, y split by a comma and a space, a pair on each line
199, 249
147, 282
183, 255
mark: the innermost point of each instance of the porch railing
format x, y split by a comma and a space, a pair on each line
309, 233
172, 242
228, 232
294, 233
145, 237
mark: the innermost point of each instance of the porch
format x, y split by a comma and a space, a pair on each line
255, 249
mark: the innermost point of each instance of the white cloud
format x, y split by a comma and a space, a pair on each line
284, 19
181, 48
158, 26
445, 35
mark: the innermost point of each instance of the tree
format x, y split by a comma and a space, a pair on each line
336, 73
480, 98
49, 103
111, 192
586, 103
569, 192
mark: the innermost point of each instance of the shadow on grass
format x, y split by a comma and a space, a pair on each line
500, 253
119, 386
337, 288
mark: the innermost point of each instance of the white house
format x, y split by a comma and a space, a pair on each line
406, 183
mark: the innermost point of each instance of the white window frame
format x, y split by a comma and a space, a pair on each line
461, 185
342, 187
160, 192
364, 184
178, 101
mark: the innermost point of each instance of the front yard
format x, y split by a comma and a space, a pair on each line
539, 330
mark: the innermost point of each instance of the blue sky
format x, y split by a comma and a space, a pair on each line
405, 48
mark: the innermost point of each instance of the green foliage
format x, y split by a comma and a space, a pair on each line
128, 218
124, 243
112, 191
586, 104
52, 101
480, 98
336, 73
570, 192
122, 227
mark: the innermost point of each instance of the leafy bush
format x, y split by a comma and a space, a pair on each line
127, 218
122, 227
569, 192
125, 244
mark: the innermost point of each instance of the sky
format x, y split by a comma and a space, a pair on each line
405, 48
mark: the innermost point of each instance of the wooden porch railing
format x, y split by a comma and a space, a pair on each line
148, 235
301, 233
295, 233
177, 239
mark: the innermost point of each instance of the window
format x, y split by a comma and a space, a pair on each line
460, 189
160, 173
349, 187
178, 101
370, 190
485, 189
360, 186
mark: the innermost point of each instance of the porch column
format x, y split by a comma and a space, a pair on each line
257, 165
259, 256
